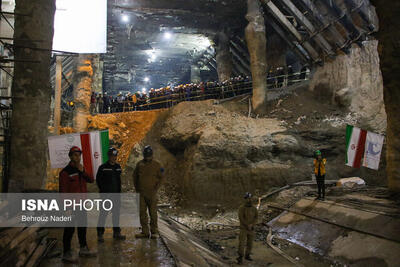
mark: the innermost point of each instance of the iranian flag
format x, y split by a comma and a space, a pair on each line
94, 146
355, 144
94, 150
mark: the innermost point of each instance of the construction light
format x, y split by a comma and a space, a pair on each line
167, 35
146, 79
125, 18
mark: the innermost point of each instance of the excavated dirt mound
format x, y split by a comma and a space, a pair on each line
125, 129
214, 152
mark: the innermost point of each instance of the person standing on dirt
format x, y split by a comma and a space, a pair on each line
147, 178
108, 180
248, 216
320, 171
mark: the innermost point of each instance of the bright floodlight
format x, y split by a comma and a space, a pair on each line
167, 35
153, 56
146, 79
125, 18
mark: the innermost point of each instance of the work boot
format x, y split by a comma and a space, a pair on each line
240, 260
85, 252
142, 235
248, 258
69, 257
155, 236
100, 238
118, 236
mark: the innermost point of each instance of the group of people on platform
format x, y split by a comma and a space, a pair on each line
168, 96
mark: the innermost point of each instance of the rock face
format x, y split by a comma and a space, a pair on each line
389, 39
212, 154
224, 58
354, 81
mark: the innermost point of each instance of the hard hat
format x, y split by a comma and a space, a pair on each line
112, 151
317, 153
247, 195
74, 149
147, 151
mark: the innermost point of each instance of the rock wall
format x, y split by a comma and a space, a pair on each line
214, 155
389, 35
354, 81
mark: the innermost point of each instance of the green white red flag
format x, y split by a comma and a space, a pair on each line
94, 146
360, 145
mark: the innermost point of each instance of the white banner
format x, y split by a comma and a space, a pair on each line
373, 150
59, 147
80, 26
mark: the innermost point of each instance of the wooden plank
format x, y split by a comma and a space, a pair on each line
22, 236
186, 249
34, 259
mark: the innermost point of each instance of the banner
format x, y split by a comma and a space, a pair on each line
373, 150
69, 210
94, 146
80, 26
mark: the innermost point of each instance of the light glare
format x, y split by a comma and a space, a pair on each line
167, 35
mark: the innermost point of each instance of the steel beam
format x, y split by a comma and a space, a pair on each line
240, 66
303, 56
244, 63
286, 23
343, 18
241, 50
319, 39
361, 11
341, 43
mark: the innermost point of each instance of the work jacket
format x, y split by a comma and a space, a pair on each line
319, 164
72, 180
147, 177
108, 178
248, 215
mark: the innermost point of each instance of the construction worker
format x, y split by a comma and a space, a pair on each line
73, 179
248, 215
147, 178
108, 180
93, 103
320, 171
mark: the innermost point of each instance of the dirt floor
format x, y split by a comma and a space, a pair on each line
131, 252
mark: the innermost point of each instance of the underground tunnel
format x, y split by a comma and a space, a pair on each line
222, 132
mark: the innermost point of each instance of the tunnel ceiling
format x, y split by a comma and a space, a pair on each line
139, 47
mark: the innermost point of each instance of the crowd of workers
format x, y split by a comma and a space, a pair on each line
169, 96
148, 177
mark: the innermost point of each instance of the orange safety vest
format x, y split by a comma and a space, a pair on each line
316, 166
